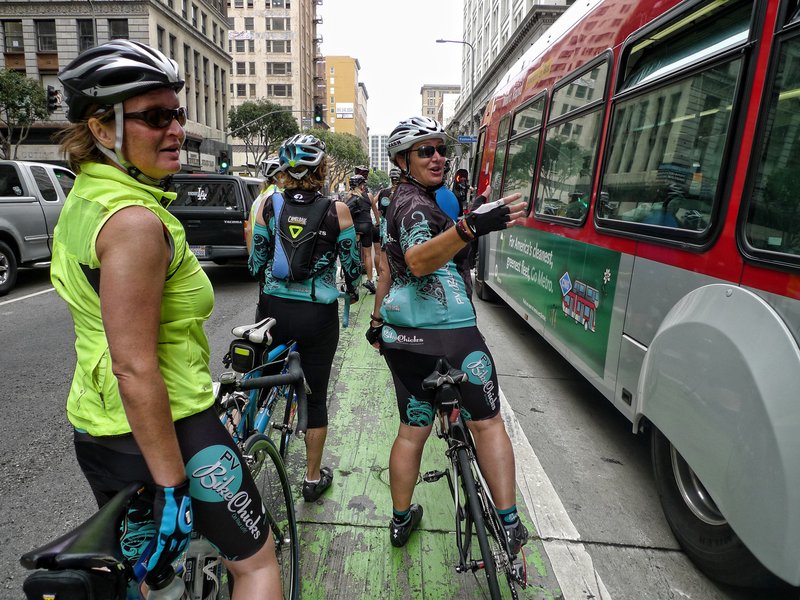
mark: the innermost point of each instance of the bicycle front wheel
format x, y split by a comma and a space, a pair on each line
475, 509
270, 476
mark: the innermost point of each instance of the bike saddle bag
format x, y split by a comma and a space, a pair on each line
245, 356
74, 584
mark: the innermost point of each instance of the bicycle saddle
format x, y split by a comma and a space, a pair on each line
444, 373
258, 333
92, 544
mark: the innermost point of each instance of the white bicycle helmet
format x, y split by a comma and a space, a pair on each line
110, 73
411, 131
394, 174
270, 167
301, 150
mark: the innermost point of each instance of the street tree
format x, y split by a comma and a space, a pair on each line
22, 102
377, 180
344, 151
262, 126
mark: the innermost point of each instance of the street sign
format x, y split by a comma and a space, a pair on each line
467, 139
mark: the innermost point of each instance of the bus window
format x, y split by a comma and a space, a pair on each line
666, 146
476, 165
500, 156
523, 150
570, 147
773, 221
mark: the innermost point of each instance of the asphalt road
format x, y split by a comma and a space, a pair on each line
598, 470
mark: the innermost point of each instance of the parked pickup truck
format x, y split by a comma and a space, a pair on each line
213, 210
31, 197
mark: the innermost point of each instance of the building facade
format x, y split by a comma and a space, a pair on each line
346, 98
378, 158
496, 34
39, 37
274, 48
433, 99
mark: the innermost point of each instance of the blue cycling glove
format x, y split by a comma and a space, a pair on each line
172, 513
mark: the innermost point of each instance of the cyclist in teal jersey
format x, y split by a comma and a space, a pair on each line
296, 241
425, 313
269, 169
141, 397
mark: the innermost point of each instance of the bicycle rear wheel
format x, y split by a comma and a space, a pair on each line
270, 476
475, 509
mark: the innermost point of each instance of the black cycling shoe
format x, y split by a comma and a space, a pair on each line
312, 491
370, 286
517, 536
399, 534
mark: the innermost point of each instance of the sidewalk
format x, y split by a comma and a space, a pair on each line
345, 549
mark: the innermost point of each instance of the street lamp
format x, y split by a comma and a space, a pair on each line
471, 79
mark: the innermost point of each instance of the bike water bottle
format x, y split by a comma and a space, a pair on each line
166, 587
202, 569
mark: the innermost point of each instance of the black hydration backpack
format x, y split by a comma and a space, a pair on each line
296, 230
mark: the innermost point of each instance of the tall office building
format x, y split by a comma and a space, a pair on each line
433, 99
378, 158
39, 38
347, 97
274, 45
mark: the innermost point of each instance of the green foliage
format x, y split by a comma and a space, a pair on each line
262, 126
344, 154
377, 180
22, 102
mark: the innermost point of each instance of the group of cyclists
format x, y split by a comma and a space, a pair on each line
141, 397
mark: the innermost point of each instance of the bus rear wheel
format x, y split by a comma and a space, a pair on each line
699, 526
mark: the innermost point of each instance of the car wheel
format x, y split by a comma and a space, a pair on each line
8, 269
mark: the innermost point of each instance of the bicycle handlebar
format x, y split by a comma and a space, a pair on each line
293, 376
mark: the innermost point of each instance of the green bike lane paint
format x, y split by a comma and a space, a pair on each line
344, 540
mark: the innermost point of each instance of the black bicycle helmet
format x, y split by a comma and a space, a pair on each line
111, 73
356, 180
394, 174
362, 170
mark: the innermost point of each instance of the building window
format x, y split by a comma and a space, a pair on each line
118, 29
252, 90
173, 42
85, 34
279, 90
278, 23
214, 32
241, 89
332, 70
186, 54
240, 68
183, 8
46, 36
238, 4
203, 22
12, 33
194, 16
239, 45
197, 67
249, 23
160, 39
252, 68
279, 68
279, 46
278, 4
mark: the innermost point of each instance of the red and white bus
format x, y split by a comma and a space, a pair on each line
658, 146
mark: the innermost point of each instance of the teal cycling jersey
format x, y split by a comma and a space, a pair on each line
332, 243
439, 300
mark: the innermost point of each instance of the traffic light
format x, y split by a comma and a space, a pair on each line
53, 99
319, 109
224, 163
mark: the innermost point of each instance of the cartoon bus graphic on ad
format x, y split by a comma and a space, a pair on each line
580, 301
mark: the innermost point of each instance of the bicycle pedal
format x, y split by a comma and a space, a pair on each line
519, 571
432, 476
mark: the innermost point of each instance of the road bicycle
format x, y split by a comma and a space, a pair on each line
89, 559
475, 511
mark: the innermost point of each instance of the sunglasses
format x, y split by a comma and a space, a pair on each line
159, 118
428, 151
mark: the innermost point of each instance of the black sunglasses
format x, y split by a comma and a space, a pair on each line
159, 118
428, 151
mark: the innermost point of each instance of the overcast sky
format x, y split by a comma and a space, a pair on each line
395, 44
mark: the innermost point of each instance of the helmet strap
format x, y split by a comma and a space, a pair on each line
118, 159
431, 189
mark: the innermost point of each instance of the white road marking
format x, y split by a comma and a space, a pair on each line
28, 296
572, 564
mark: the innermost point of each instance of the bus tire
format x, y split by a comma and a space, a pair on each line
484, 292
701, 530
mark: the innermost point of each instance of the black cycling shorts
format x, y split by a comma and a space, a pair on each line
227, 508
364, 229
376, 235
480, 397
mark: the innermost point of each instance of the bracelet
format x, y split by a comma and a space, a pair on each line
374, 318
462, 231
